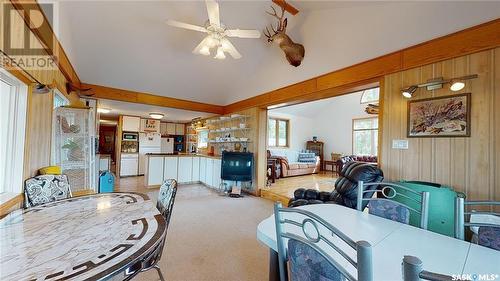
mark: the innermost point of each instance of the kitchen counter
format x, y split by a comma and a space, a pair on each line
184, 168
184, 155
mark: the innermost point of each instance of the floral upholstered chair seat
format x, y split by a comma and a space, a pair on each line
45, 189
489, 236
390, 210
308, 264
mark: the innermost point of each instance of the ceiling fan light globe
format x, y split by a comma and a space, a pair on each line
220, 54
457, 86
205, 50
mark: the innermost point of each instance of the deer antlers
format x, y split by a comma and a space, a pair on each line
281, 27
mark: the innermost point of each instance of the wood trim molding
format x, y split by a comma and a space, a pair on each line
10, 205
45, 34
471, 40
103, 92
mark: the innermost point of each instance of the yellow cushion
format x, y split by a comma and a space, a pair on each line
50, 170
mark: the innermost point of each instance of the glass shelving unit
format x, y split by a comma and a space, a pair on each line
74, 146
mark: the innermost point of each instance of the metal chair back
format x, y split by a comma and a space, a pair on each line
413, 271
319, 237
390, 191
463, 218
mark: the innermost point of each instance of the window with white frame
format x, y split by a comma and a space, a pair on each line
370, 96
13, 109
203, 138
365, 136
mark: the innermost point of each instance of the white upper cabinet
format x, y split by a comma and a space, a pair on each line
131, 123
170, 128
163, 129
179, 129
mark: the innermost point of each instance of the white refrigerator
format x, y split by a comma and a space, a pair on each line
167, 145
148, 143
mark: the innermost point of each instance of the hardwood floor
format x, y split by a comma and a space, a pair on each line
132, 184
283, 189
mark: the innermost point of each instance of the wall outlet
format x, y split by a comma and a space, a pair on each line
400, 144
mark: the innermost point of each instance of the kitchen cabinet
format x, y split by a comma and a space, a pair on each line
185, 169
179, 129
131, 123
170, 168
203, 170
196, 169
210, 172
163, 129
129, 164
155, 168
170, 128
216, 180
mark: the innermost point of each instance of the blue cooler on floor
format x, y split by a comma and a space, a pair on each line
106, 182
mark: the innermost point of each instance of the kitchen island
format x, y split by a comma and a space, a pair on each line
185, 168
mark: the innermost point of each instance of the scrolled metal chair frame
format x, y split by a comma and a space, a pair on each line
423, 202
461, 213
363, 249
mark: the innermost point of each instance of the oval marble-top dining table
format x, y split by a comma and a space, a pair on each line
91, 237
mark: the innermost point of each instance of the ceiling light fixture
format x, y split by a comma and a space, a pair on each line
156, 115
220, 54
457, 84
103, 110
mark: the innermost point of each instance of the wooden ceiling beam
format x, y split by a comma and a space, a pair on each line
468, 41
46, 37
103, 92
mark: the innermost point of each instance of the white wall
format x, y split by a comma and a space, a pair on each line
330, 120
333, 125
300, 129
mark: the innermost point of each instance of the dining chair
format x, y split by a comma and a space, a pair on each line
485, 225
413, 271
387, 203
45, 189
316, 250
165, 205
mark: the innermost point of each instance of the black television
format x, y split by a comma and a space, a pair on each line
237, 166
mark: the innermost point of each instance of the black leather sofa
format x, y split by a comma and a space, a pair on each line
346, 187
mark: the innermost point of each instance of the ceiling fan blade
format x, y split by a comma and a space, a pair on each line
243, 33
228, 47
213, 12
186, 25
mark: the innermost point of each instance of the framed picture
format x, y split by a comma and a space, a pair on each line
447, 116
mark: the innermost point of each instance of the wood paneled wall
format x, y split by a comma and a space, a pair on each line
468, 164
39, 119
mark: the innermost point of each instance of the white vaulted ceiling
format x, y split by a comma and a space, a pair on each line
126, 44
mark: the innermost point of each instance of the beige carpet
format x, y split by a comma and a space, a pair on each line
212, 237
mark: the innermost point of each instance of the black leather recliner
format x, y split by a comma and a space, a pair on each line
346, 187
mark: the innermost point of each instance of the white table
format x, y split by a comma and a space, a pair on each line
82, 238
392, 240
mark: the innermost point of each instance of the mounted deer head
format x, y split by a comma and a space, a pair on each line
294, 52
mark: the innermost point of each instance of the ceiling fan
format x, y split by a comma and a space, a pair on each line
217, 34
